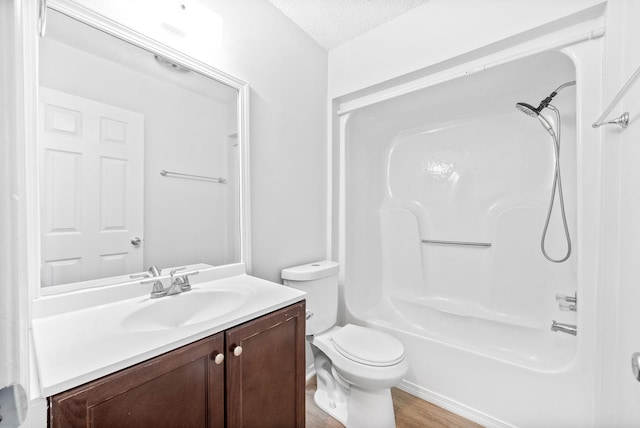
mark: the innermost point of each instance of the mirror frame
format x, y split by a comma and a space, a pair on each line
102, 23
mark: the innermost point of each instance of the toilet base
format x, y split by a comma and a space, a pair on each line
336, 409
370, 408
362, 409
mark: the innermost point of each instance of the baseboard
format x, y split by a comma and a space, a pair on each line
453, 406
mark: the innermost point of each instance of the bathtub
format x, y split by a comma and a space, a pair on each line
454, 161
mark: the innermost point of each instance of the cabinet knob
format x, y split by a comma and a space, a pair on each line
237, 351
219, 358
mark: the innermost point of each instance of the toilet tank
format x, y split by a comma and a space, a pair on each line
320, 281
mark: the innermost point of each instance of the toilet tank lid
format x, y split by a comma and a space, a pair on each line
311, 271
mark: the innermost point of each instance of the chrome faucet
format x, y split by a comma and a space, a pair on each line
178, 283
153, 272
564, 328
567, 303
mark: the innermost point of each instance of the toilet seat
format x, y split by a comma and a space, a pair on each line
367, 346
363, 373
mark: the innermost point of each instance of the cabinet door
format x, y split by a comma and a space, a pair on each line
183, 388
265, 383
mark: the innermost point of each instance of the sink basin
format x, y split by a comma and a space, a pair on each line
184, 309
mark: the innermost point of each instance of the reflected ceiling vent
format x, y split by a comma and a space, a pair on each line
171, 65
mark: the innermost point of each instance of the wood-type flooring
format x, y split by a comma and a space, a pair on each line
411, 412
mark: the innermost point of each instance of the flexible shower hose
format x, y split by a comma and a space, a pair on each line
557, 184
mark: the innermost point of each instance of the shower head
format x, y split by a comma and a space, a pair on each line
530, 110
527, 109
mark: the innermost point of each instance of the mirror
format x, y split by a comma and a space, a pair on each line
139, 160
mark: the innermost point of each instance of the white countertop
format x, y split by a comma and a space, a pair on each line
80, 336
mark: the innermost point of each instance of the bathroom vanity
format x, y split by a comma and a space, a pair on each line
243, 364
249, 375
165, 187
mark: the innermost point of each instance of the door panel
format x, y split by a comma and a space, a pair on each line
92, 155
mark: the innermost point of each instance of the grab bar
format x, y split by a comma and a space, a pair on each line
469, 244
166, 173
622, 120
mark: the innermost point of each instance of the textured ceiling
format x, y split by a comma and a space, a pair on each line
333, 22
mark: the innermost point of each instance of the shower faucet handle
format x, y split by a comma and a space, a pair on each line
567, 303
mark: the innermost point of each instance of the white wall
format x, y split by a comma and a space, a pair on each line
439, 31
10, 306
287, 72
14, 297
620, 275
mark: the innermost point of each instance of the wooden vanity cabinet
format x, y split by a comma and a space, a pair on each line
182, 388
259, 383
266, 380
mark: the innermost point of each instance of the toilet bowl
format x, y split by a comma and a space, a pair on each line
362, 356
355, 366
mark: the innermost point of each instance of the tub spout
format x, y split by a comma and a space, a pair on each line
564, 328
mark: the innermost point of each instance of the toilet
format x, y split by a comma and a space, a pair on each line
356, 367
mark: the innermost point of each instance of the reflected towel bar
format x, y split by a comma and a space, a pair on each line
166, 173
468, 244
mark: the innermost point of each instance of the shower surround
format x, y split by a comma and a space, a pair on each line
455, 163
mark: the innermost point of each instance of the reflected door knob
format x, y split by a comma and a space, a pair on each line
136, 241
237, 351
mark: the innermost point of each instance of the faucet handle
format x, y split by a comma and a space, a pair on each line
173, 271
155, 271
567, 303
158, 290
140, 275
187, 285
188, 274
152, 280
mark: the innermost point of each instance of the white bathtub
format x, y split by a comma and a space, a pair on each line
455, 161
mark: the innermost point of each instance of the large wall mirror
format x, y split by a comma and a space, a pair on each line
139, 160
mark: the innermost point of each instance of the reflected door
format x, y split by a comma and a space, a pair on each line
91, 188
